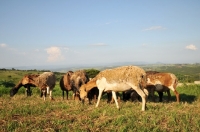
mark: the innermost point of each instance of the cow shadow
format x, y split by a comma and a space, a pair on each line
183, 98
186, 98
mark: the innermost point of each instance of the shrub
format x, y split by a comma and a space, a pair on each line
7, 84
92, 72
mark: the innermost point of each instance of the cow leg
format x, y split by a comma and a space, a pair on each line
109, 95
142, 95
176, 93
118, 96
48, 90
43, 94
115, 98
50, 95
112, 99
74, 94
169, 95
160, 96
89, 97
151, 92
177, 96
99, 97
63, 94
67, 94
28, 91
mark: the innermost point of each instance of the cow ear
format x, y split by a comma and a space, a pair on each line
30, 77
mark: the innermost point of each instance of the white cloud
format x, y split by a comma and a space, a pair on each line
191, 47
8, 48
99, 44
155, 28
54, 54
3, 45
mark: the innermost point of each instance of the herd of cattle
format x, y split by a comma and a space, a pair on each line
132, 81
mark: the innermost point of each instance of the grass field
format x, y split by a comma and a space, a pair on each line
21, 113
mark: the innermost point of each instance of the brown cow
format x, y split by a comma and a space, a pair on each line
77, 79
162, 82
45, 81
65, 84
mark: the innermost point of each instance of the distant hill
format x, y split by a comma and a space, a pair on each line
76, 67
185, 72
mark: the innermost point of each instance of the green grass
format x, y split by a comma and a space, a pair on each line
21, 113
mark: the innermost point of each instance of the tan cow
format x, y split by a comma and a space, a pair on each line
45, 82
117, 80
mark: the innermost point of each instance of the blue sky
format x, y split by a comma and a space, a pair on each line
84, 32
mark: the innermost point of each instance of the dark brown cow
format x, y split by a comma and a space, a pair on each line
93, 95
130, 95
65, 84
162, 82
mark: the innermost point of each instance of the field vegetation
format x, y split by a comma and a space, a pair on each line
21, 113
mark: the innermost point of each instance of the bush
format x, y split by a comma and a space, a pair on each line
92, 72
7, 83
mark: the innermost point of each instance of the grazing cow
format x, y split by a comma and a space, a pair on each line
65, 83
117, 80
93, 94
130, 94
162, 82
77, 79
45, 81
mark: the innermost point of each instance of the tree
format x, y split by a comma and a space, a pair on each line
92, 72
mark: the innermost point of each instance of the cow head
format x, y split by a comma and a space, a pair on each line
83, 92
13, 91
